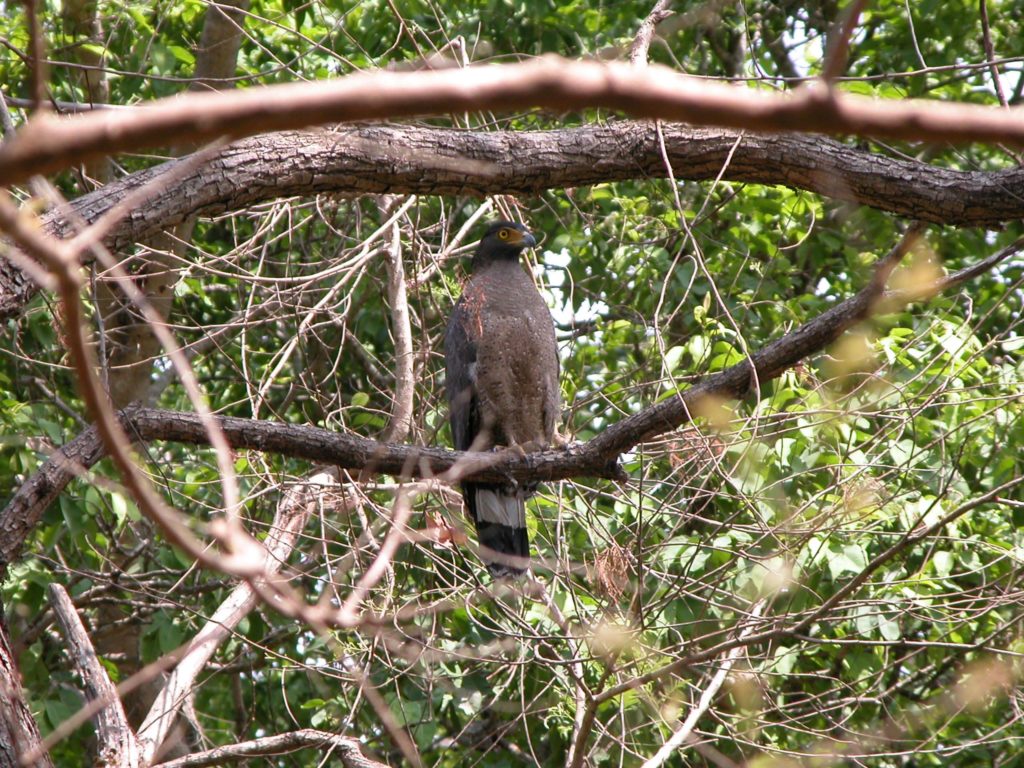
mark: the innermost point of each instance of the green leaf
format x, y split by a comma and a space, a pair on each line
850, 559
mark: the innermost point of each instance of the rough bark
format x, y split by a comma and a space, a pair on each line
418, 160
117, 746
19, 733
43, 488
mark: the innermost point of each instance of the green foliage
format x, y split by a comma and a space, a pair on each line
803, 496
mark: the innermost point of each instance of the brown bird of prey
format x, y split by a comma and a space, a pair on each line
501, 363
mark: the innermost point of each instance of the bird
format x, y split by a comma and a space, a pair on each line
501, 377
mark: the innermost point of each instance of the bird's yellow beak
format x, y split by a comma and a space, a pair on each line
522, 239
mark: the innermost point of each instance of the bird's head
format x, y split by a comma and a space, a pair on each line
502, 241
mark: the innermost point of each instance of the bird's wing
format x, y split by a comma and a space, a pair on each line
460, 345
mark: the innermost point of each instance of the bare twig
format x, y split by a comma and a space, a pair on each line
642, 41
364, 255
18, 728
682, 734
396, 536
911, 537
990, 52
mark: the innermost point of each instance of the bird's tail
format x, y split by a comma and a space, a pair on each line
499, 514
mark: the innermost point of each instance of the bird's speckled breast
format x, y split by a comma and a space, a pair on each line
517, 356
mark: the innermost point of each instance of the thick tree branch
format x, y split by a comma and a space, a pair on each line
291, 517
416, 160
35, 495
117, 747
49, 144
596, 458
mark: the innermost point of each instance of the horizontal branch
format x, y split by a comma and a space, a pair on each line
345, 750
25, 508
596, 458
421, 160
49, 144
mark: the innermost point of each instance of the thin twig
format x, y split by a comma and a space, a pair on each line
990, 53
642, 42
682, 734
838, 53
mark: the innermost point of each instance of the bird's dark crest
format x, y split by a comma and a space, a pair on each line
502, 240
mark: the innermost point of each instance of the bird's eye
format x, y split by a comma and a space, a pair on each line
503, 234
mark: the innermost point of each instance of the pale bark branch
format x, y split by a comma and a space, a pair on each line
346, 749
291, 517
401, 333
990, 52
49, 144
685, 729
642, 42
117, 745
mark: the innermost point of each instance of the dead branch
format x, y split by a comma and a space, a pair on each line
401, 331
642, 42
685, 729
345, 748
293, 512
118, 746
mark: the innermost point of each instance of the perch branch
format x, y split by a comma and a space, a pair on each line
596, 458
